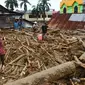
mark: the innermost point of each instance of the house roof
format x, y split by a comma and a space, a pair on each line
4, 11
70, 2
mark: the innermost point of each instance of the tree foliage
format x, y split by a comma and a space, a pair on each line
10, 4
24, 2
36, 11
44, 6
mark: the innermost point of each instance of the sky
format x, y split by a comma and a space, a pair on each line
55, 4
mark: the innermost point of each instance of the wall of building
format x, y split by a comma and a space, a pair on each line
75, 4
70, 9
70, 2
29, 17
61, 9
81, 8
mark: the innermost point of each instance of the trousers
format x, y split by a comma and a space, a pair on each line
2, 59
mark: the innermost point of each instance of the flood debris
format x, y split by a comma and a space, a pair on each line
26, 56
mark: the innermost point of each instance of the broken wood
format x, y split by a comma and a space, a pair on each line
82, 57
56, 72
19, 57
81, 41
82, 79
60, 47
79, 62
72, 82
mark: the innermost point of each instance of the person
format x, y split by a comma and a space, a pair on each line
44, 30
16, 26
2, 54
20, 23
34, 27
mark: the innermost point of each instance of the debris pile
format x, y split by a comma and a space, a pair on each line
25, 55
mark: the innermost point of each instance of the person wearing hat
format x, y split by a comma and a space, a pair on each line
34, 26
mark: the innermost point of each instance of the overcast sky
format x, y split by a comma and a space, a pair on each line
55, 4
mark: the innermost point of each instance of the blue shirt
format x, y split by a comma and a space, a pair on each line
15, 25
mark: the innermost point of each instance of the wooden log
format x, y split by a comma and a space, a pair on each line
27, 41
19, 57
82, 79
82, 57
56, 72
78, 62
81, 41
72, 82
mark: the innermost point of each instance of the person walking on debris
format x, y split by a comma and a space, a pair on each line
20, 24
2, 54
44, 30
35, 27
16, 26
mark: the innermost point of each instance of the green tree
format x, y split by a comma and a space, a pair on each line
10, 4
44, 6
24, 2
36, 11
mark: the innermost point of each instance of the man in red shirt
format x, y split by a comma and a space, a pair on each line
2, 54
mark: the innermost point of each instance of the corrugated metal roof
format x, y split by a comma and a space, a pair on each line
63, 22
4, 11
77, 17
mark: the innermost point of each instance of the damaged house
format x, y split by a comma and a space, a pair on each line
7, 17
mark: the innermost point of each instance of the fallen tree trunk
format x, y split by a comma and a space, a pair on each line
56, 72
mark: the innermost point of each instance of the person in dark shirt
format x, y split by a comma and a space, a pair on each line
20, 23
44, 30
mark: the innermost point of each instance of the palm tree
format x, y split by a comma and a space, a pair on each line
44, 6
10, 4
36, 11
24, 2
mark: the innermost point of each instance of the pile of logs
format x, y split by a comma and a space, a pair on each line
25, 55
